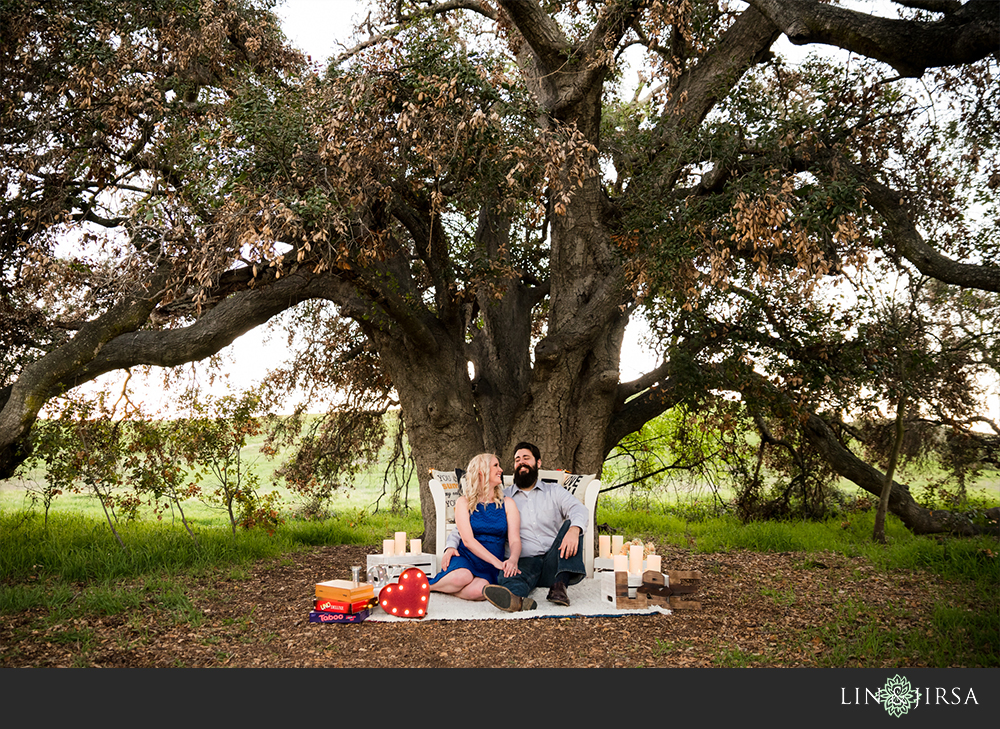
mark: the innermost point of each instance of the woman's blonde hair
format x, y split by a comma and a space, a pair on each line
477, 478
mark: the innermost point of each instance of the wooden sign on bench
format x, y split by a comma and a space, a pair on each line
654, 590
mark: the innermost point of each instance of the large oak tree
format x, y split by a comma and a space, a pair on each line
467, 208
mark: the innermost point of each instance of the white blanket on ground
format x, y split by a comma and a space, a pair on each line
585, 600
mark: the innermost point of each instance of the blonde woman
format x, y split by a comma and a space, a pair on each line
487, 522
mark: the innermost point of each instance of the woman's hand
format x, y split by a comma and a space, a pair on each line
509, 568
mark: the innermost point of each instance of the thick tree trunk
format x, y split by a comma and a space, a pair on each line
500, 350
574, 385
573, 393
569, 403
437, 407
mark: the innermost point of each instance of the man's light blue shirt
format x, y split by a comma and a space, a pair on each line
543, 510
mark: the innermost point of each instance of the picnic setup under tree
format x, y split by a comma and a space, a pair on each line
462, 212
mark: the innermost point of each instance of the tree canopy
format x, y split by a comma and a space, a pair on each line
465, 209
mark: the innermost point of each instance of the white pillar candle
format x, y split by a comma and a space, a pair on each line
635, 559
616, 544
414, 546
653, 562
604, 546
388, 547
400, 542
621, 563
634, 583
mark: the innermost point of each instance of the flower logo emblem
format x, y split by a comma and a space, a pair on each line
897, 696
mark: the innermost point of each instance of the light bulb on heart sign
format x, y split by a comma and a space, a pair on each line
407, 598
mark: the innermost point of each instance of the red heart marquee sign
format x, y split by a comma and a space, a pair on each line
408, 597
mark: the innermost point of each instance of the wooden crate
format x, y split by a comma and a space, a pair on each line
665, 590
398, 562
607, 564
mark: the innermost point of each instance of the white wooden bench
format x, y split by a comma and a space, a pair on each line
445, 489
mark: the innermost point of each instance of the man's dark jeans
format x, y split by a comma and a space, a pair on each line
541, 570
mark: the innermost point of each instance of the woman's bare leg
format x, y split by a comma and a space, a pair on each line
454, 582
474, 590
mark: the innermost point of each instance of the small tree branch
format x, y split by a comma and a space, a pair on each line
903, 234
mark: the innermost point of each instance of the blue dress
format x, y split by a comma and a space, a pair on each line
489, 526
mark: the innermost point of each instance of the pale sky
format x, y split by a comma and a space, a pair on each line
316, 26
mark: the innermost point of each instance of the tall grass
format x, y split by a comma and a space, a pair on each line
76, 548
79, 548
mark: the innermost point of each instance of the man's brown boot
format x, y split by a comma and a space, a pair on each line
557, 594
505, 600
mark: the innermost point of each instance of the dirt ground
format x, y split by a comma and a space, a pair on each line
756, 610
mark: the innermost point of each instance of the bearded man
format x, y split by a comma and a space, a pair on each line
552, 526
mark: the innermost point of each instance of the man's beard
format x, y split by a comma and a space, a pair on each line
524, 478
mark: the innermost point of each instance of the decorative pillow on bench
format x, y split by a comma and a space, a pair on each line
451, 482
575, 483
572, 482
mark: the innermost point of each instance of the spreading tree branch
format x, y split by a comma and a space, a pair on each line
966, 34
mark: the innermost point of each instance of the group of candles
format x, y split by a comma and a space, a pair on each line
608, 547
612, 546
397, 545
